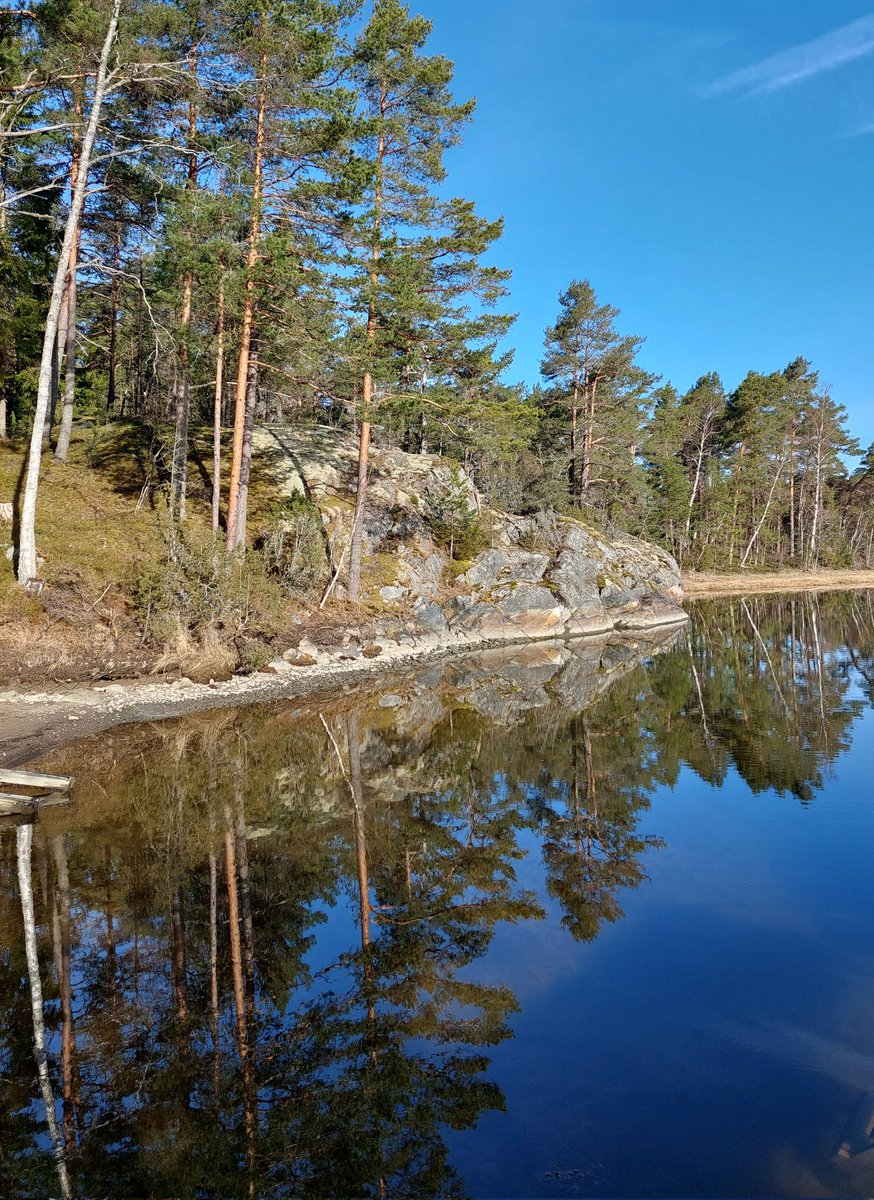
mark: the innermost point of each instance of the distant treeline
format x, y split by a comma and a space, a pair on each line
265, 236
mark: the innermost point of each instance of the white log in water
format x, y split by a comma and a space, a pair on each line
33, 779
24, 844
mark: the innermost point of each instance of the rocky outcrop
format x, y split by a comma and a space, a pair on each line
536, 579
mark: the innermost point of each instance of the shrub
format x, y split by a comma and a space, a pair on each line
292, 545
199, 585
455, 525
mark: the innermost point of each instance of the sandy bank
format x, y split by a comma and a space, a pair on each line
711, 583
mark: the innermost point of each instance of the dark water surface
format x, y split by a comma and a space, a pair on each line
567, 921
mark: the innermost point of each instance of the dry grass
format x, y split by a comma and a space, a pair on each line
711, 583
202, 658
89, 529
102, 523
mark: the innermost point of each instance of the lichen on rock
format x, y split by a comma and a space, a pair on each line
580, 582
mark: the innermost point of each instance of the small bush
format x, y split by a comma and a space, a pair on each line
544, 534
292, 545
455, 525
200, 586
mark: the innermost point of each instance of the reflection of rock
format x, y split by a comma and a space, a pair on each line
532, 583
503, 683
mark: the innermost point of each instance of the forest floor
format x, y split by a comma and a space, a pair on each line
712, 583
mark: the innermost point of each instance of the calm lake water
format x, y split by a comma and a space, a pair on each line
568, 921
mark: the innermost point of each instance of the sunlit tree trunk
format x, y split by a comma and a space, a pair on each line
575, 411
246, 459
65, 431
758, 529
237, 537
179, 474
217, 400
357, 543
57, 366
27, 564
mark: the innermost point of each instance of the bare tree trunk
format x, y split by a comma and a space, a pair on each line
356, 547
4, 425
27, 564
248, 309
575, 411
179, 470
113, 324
217, 402
792, 493
62, 449
65, 431
246, 456
588, 437
813, 546
138, 386
758, 528
57, 364
24, 844
357, 541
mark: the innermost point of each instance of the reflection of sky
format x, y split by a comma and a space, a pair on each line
714, 1041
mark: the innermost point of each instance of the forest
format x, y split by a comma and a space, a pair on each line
215, 216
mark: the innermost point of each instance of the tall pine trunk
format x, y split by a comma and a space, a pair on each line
575, 412
236, 537
27, 562
217, 401
246, 455
356, 547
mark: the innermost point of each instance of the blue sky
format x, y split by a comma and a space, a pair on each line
708, 165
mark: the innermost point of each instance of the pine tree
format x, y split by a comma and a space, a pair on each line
663, 442
595, 384
409, 121
296, 118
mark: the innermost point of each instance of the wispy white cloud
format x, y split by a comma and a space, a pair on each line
832, 50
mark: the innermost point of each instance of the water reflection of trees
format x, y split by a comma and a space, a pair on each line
204, 1039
